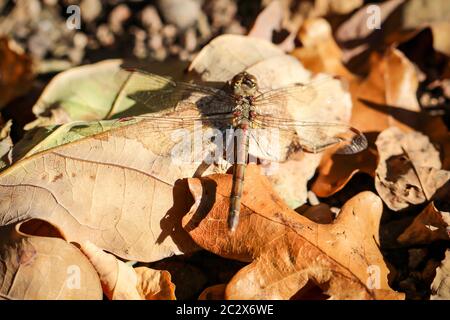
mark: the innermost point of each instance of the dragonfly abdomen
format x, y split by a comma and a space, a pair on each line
242, 143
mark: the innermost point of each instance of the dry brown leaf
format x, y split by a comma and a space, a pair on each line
286, 250
320, 213
336, 170
441, 283
441, 41
216, 62
270, 20
41, 268
116, 189
320, 53
6, 143
15, 72
216, 292
409, 168
380, 101
359, 35
120, 281
430, 225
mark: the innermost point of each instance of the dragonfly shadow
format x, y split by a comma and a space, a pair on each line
171, 224
412, 119
178, 98
207, 201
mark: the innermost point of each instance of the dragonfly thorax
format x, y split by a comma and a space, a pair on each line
244, 85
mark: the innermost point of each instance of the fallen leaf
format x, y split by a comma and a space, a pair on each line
6, 143
41, 268
429, 226
120, 281
441, 283
378, 89
416, 13
16, 73
338, 7
116, 189
319, 52
320, 213
44, 138
409, 169
366, 30
441, 31
336, 170
288, 251
269, 21
215, 62
216, 292
80, 93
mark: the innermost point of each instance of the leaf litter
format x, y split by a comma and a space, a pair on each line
77, 178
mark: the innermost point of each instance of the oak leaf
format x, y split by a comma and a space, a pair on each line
287, 251
409, 169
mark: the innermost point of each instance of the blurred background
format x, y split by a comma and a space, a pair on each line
70, 32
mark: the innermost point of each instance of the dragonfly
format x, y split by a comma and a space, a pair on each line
242, 107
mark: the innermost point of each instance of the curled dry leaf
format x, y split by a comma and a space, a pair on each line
320, 53
120, 281
441, 284
382, 101
44, 268
387, 97
409, 169
430, 225
274, 69
16, 73
287, 251
379, 102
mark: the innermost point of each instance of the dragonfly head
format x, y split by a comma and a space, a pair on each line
244, 85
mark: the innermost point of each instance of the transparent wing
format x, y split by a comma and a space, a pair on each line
188, 144
313, 136
152, 93
313, 95
167, 122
